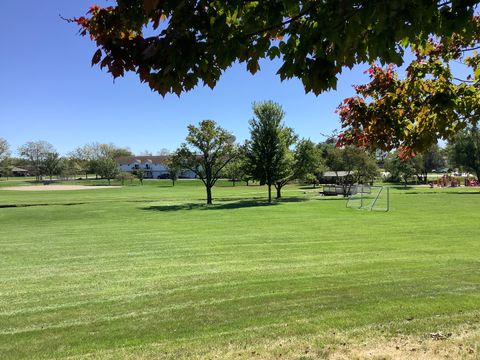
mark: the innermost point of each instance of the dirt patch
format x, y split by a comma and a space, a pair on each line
56, 187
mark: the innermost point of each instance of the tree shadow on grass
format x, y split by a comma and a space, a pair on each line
222, 206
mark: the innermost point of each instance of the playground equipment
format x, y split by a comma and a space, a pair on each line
372, 198
445, 181
471, 182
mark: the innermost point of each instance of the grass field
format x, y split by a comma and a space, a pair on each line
150, 272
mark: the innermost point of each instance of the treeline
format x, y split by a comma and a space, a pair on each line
41, 160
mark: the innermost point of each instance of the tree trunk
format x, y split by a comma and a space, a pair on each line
209, 195
233, 181
173, 182
279, 191
269, 193
108, 181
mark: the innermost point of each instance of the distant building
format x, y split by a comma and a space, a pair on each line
154, 167
16, 171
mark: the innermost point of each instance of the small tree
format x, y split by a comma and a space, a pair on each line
174, 168
208, 148
124, 176
400, 169
107, 168
235, 170
140, 174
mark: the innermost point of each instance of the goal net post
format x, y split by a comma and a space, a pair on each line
371, 198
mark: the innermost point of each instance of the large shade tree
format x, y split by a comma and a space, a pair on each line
433, 100
207, 150
194, 41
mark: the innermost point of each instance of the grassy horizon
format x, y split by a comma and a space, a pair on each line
150, 272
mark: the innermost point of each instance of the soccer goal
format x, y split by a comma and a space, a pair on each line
372, 198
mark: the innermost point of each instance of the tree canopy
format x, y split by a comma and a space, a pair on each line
431, 102
268, 150
207, 150
175, 45
464, 150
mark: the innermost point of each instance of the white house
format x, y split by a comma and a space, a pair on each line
154, 166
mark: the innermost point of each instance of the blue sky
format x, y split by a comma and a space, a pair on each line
48, 91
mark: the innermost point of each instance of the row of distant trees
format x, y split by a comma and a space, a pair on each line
461, 153
42, 160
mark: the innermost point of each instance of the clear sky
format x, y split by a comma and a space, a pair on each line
48, 91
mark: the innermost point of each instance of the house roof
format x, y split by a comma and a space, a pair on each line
17, 169
142, 159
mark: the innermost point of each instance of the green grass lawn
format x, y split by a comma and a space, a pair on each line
150, 272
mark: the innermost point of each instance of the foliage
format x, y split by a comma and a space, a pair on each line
70, 168
428, 160
139, 174
464, 150
207, 150
236, 170
432, 102
4, 149
107, 168
195, 41
400, 168
308, 161
88, 155
125, 176
51, 165
360, 166
268, 150
36, 152
174, 168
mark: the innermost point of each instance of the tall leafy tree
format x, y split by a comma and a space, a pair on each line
268, 150
314, 40
464, 150
207, 150
35, 152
